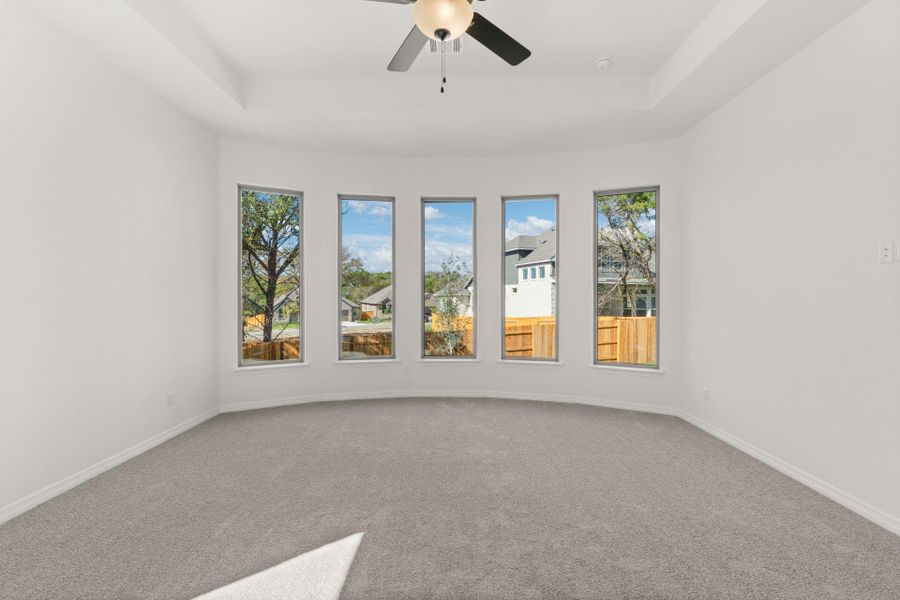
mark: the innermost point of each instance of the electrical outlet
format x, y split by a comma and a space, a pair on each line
170, 399
706, 394
887, 252
406, 370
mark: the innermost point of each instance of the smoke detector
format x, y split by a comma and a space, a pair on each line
604, 64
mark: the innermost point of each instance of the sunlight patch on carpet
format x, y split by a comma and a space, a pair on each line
315, 575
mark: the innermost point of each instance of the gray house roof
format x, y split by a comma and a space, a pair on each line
521, 242
349, 303
380, 297
543, 247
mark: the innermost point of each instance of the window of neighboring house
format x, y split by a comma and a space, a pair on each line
366, 246
271, 276
542, 274
448, 277
627, 259
529, 319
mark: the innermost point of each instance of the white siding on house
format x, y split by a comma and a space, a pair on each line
533, 297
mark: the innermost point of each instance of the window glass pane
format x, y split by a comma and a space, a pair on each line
529, 305
367, 278
271, 292
448, 254
543, 274
626, 278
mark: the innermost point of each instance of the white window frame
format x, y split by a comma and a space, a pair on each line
503, 283
340, 238
301, 264
595, 279
449, 200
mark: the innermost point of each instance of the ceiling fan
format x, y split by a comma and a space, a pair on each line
446, 20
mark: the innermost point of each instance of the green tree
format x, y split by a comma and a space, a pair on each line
450, 333
270, 236
624, 239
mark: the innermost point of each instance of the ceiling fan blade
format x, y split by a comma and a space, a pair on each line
408, 51
497, 41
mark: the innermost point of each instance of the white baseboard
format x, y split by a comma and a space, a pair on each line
27, 503
863, 509
292, 400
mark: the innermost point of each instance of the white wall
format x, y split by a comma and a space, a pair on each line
791, 323
108, 247
770, 296
573, 176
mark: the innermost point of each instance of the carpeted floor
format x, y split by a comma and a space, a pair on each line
456, 499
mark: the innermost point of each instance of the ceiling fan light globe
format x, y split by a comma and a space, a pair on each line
432, 16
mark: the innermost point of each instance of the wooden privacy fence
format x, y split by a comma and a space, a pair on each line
630, 340
370, 344
531, 337
255, 322
434, 344
278, 350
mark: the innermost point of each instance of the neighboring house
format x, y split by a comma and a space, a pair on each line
610, 272
430, 305
350, 311
530, 270
463, 294
287, 310
379, 305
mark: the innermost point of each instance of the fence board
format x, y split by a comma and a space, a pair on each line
371, 344
268, 351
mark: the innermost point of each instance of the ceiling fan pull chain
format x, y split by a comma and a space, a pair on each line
443, 64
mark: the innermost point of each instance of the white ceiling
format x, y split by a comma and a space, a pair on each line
349, 38
313, 72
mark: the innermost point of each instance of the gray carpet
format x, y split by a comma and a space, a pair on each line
457, 499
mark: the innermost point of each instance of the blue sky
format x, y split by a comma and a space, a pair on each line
529, 217
366, 232
448, 232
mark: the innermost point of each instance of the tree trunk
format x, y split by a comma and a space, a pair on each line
271, 290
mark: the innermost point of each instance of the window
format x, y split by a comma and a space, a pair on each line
627, 258
542, 273
531, 238
271, 280
366, 234
448, 278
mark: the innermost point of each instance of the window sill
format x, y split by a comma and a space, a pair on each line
259, 369
646, 372
530, 361
449, 361
368, 361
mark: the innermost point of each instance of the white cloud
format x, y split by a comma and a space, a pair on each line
531, 226
432, 213
369, 207
374, 251
437, 252
648, 227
